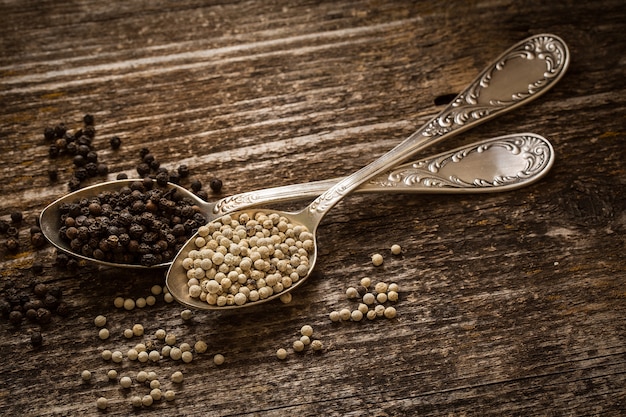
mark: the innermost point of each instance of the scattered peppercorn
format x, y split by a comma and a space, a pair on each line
17, 217
36, 339
115, 142
216, 185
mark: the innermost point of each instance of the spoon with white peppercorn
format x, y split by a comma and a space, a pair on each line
252, 256
497, 164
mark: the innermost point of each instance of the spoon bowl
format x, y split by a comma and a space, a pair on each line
524, 71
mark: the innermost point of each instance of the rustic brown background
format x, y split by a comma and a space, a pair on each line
511, 304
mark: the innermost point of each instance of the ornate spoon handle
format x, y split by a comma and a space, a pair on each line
498, 164
520, 74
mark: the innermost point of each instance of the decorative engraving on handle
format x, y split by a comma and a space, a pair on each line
466, 107
232, 203
535, 152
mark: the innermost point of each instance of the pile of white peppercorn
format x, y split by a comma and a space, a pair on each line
242, 258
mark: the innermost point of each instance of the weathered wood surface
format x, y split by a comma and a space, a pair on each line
511, 304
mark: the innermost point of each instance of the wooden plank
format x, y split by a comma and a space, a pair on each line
510, 304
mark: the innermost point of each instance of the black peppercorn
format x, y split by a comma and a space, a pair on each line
115, 142
63, 309
122, 176
92, 169
40, 290
4, 226
53, 173
16, 217
59, 130
12, 244
48, 133
44, 316
15, 317
53, 151
37, 240
37, 267
36, 339
12, 231
143, 169
89, 131
103, 169
196, 185
203, 195
31, 314
216, 185
183, 171
88, 120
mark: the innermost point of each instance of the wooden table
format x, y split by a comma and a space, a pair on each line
510, 303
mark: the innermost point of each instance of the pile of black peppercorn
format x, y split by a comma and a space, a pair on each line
79, 145
38, 306
142, 224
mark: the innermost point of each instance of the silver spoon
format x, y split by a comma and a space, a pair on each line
523, 72
497, 164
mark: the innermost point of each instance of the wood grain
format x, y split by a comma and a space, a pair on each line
510, 304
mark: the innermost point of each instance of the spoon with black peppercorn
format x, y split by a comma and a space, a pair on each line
497, 164
252, 256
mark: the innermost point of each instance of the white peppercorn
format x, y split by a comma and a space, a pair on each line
200, 346
168, 298
147, 400
142, 376
356, 315
392, 296
126, 382
351, 293
368, 298
306, 330
390, 312
102, 403
393, 287
152, 376
345, 314
380, 310
128, 333
285, 298
85, 375
154, 355
177, 377
156, 290
156, 394
112, 374
184, 347
334, 316
140, 302
140, 347
155, 384
150, 300
118, 302
187, 356
176, 354
166, 350
186, 314
103, 333
129, 304
100, 321
381, 287
135, 400
298, 346
281, 354
170, 339
381, 297
377, 259
371, 315
169, 395
306, 340
138, 330
218, 359
396, 249
363, 308
106, 354
366, 282
143, 356
317, 345
117, 356
160, 334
